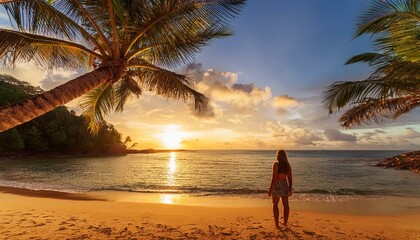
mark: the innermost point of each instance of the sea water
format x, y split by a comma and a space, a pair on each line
317, 175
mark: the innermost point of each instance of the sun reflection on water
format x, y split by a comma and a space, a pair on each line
172, 166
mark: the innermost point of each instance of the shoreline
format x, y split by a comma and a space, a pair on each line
48, 194
355, 205
39, 218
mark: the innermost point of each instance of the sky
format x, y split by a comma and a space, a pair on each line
265, 84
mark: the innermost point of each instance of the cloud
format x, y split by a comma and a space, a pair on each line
371, 136
336, 135
210, 112
154, 111
225, 78
235, 120
238, 95
194, 71
411, 133
38, 76
302, 136
223, 87
57, 77
295, 136
28, 72
283, 103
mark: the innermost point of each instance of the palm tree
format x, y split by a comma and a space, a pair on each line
393, 88
128, 44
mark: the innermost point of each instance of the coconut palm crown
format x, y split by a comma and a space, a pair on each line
393, 88
129, 45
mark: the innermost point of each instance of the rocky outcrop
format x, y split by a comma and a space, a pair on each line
406, 161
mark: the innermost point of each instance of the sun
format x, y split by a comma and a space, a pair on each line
172, 137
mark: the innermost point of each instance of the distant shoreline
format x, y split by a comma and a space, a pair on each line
36, 155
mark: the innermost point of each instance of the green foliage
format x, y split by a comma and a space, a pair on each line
11, 140
58, 131
393, 89
15, 90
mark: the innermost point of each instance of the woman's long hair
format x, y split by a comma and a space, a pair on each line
284, 165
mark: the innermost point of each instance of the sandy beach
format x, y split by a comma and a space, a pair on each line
48, 215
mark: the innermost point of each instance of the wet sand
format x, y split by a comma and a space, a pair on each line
28, 215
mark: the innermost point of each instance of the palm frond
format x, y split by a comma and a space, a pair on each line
373, 59
384, 13
401, 39
398, 24
167, 19
123, 89
169, 84
94, 28
41, 17
45, 51
402, 71
340, 94
377, 110
410, 105
178, 49
96, 104
112, 6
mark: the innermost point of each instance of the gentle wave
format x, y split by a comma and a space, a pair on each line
40, 186
189, 190
239, 191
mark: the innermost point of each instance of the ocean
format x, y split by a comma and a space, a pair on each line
317, 175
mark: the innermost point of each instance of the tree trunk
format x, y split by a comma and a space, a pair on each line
16, 114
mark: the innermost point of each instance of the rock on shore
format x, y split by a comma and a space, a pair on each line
406, 161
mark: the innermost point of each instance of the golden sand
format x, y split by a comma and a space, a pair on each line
31, 216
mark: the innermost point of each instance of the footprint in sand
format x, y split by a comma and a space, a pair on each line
310, 233
226, 233
140, 227
252, 228
105, 230
252, 237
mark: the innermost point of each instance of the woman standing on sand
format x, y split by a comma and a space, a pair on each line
281, 186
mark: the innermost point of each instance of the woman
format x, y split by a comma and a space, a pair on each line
281, 186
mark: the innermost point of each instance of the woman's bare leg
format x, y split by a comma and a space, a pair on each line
285, 201
276, 210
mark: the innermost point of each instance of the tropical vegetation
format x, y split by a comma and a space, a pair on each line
393, 89
59, 130
129, 46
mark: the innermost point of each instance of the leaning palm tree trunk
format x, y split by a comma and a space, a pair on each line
38, 105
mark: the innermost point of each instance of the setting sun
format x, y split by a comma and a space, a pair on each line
172, 137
